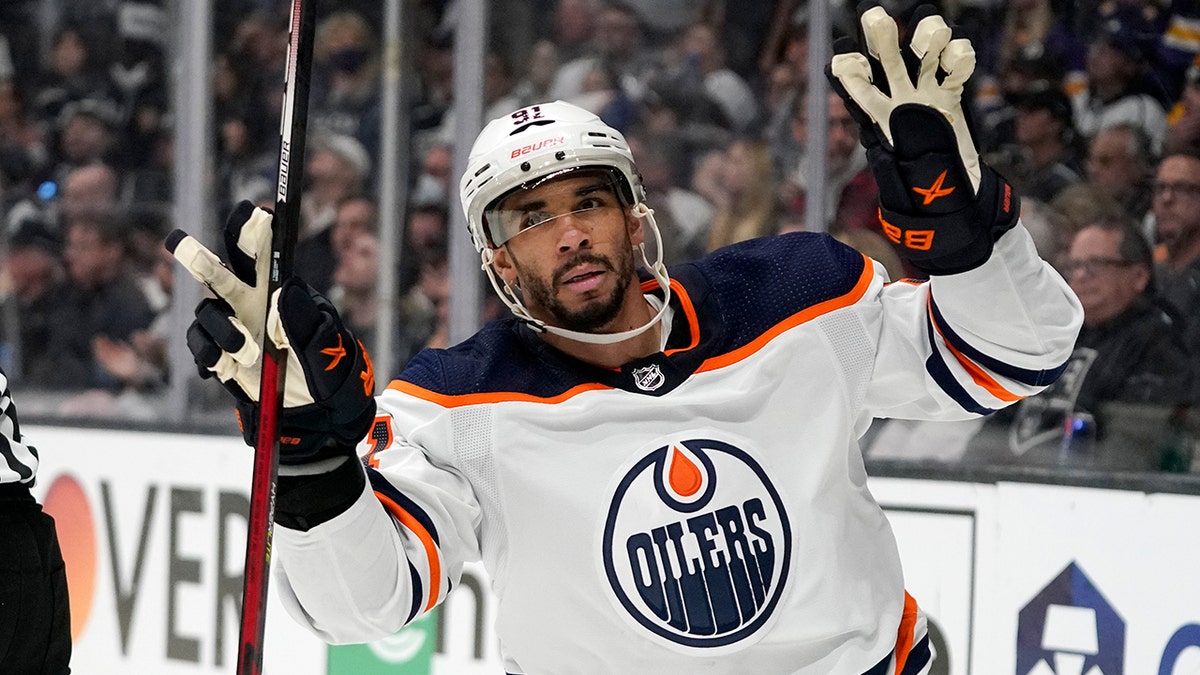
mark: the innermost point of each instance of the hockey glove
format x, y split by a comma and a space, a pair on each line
328, 402
942, 206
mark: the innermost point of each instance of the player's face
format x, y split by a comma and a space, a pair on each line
572, 251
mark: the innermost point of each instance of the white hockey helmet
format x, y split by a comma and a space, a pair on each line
535, 144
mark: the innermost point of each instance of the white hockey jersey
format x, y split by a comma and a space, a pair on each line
702, 510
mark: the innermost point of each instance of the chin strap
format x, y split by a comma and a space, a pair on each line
510, 297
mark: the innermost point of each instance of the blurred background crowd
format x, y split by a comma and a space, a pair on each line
1090, 107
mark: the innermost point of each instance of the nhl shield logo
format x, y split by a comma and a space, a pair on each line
696, 545
648, 378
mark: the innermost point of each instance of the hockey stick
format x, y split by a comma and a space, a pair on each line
284, 227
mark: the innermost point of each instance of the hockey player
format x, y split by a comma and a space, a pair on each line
660, 472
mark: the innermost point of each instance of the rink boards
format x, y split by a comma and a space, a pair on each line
1018, 578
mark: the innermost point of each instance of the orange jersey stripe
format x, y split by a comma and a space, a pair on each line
977, 374
804, 315
454, 401
904, 635
431, 552
689, 311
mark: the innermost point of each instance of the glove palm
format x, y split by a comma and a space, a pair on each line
942, 205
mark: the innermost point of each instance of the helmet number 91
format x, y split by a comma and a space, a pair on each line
524, 115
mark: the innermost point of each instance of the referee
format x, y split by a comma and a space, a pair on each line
35, 622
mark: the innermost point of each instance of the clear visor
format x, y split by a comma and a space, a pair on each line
585, 194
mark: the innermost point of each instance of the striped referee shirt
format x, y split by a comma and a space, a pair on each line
20, 460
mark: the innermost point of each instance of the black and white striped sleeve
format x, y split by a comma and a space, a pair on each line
20, 460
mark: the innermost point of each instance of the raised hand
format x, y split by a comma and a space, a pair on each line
937, 200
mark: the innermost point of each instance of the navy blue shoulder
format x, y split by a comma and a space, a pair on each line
504, 356
738, 293
758, 284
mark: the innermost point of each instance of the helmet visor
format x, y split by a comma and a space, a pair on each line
581, 193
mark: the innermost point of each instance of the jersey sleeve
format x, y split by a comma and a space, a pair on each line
964, 345
397, 552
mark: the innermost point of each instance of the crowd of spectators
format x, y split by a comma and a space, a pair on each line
1091, 109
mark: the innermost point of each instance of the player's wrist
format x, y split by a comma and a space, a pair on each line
960, 240
305, 500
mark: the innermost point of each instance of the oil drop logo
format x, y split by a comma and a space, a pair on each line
696, 545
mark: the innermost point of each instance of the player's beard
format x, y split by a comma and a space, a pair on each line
595, 314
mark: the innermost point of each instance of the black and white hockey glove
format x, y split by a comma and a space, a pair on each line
328, 402
942, 205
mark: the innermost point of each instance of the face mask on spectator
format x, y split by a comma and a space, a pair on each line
348, 60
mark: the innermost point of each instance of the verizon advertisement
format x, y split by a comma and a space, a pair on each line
1024, 579
153, 531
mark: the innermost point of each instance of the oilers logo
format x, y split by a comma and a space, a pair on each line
696, 545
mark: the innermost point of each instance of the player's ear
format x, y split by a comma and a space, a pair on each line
502, 264
637, 232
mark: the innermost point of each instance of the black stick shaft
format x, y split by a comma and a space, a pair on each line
285, 225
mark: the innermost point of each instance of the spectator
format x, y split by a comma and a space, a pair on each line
336, 171
425, 238
141, 362
355, 290
1045, 137
433, 183
851, 195
701, 66
1034, 68
87, 134
1120, 163
1075, 207
423, 311
498, 82
33, 279
20, 139
355, 216
1140, 354
152, 181
1031, 27
258, 54
138, 77
1179, 47
89, 193
684, 217
785, 90
663, 20
1139, 349
346, 56
743, 194
247, 165
71, 74
601, 94
1183, 131
1177, 232
786, 41
435, 64
1117, 91
101, 300
574, 25
540, 72
497, 95
617, 42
